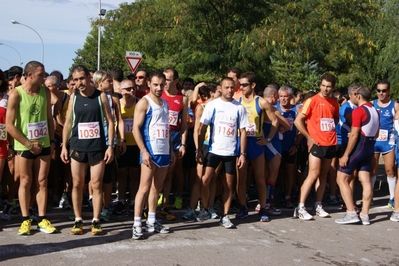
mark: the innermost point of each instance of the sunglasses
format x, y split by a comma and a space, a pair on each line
128, 88
140, 77
383, 91
244, 85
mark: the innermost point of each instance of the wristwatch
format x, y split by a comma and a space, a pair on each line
243, 153
269, 139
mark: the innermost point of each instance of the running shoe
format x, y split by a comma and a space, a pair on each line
202, 215
365, 219
137, 232
212, 213
302, 214
5, 216
25, 227
178, 205
46, 227
263, 215
156, 227
226, 223
395, 217
77, 228
15, 207
347, 219
105, 215
164, 213
242, 213
321, 212
160, 200
189, 215
288, 204
96, 229
271, 210
120, 208
145, 213
333, 201
64, 202
391, 203
257, 208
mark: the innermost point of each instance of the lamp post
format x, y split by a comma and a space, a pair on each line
16, 22
100, 14
20, 60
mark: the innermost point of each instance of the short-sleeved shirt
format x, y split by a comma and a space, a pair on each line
224, 119
320, 114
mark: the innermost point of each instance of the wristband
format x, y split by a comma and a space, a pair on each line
123, 140
243, 153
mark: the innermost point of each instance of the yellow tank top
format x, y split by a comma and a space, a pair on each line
127, 116
255, 117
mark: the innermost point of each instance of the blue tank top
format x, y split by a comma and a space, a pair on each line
290, 135
343, 127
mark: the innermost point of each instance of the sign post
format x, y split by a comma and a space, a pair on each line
133, 59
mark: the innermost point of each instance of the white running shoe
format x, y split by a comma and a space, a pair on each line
321, 212
302, 214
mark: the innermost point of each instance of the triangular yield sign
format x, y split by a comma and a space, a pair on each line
133, 62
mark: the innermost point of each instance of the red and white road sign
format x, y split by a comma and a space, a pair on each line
133, 59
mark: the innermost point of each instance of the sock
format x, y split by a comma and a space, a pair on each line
351, 213
95, 220
77, 219
40, 218
25, 218
391, 186
90, 197
151, 217
137, 221
317, 203
270, 188
372, 180
364, 215
301, 205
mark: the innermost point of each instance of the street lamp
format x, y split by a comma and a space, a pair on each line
16, 22
100, 14
20, 60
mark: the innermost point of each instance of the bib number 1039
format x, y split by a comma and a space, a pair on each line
89, 130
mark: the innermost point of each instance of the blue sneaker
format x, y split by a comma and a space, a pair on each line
263, 215
189, 215
212, 213
243, 212
391, 203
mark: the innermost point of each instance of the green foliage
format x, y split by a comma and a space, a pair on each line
288, 42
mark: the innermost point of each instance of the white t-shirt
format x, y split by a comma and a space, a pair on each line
224, 119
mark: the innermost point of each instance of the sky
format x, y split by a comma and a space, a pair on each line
62, 24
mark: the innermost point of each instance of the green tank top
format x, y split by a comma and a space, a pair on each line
31, 118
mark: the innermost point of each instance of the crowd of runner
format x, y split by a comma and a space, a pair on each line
149, 138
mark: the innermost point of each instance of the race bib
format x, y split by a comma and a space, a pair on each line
89, 130
251, 130
173, 118
162, 131
226, 129
327, 124
383, 135
291, 121
3, 132
128, 125
37, 130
